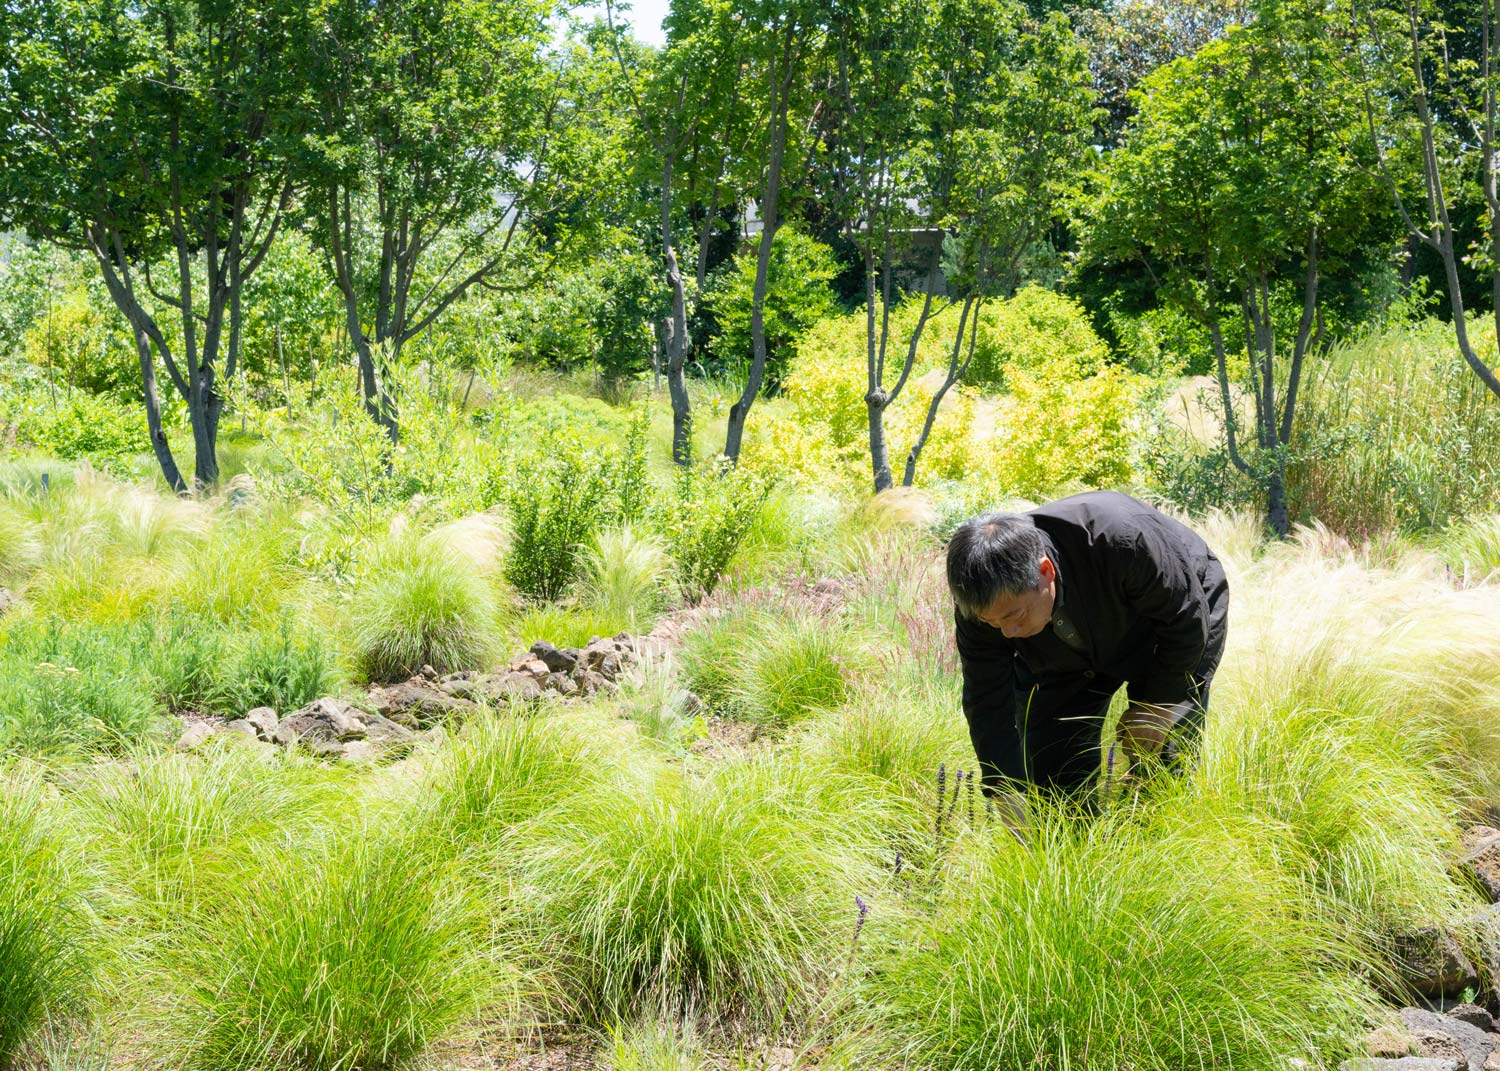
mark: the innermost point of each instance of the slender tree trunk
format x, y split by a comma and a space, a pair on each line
780, 107
676, 334
159, 444
956, 372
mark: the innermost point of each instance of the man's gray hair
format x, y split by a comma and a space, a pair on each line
992, 555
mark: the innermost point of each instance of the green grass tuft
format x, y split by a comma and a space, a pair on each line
1112, 945
420, 605
357, 955
729, 896
46, 947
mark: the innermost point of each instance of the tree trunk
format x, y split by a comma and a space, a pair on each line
780, 106
955, 373
159, 444
676, 333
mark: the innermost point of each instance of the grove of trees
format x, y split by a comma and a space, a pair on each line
1250, 166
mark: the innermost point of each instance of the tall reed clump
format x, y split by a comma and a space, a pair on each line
47, 949
1149, 945
1395, 433
360, 952
728, 896
420, 604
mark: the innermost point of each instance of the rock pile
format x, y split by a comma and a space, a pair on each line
1442, 964
386, 724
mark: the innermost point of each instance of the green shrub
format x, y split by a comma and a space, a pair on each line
185, 656
64, 686
1060, 433
418, 605
1164, 963
554, 513
279, 668
706, 520
732, 896
800, 294
359, 954
45, 939
1038, 331
76, 425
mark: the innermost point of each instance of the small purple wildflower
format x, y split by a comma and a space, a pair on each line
899, 861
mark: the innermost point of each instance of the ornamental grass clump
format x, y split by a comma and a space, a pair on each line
47, 947
1129, 942
794, 667
625, 576
729, 895
419, 605
182, 832
503, 770
360, 952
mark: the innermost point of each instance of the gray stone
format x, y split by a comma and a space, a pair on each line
1404, 1063
557, 660
1482, 859
1444, 1037
1433, 963
242, 727
360, 751
512, 687
322, 726
1473, 1014
1389, 1040
562, 684
264, 721
194, 735
9, 600
690, 705
417, 703
1485, 928
386, 735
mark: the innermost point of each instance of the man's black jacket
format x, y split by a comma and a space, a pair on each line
1147, 603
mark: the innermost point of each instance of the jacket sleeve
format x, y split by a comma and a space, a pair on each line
1158, 582
989, 700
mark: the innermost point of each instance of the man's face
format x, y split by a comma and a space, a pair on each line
1020, 616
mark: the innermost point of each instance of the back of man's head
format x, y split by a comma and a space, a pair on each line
992, 555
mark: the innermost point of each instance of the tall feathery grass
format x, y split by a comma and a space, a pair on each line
48, 947
625, 576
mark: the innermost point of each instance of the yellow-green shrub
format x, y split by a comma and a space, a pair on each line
1058, 431
1036, 329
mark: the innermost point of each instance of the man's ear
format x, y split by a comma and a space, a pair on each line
1046, 569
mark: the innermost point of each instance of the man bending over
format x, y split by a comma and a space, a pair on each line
1057, 608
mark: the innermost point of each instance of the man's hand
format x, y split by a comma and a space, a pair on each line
1142, 732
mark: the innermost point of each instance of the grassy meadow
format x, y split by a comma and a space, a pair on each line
766, 848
